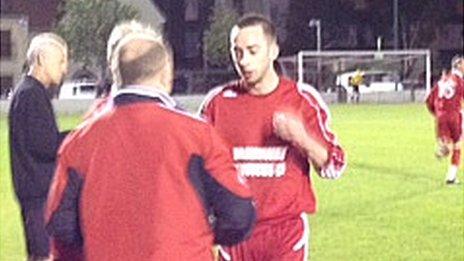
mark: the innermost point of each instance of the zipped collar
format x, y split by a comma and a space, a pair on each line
143, 93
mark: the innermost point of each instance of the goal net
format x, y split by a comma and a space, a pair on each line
382, 70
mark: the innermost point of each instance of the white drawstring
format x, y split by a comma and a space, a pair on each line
303, 242
224, 254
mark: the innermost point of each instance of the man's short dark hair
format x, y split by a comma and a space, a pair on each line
257, 19
146, 65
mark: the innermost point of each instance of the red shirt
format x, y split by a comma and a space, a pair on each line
137, 201
446, 96
278, 173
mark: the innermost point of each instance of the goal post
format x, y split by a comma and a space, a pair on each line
411, 69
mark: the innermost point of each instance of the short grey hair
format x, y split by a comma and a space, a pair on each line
120, 36
42, 41
118, 32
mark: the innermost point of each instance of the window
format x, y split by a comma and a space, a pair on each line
88, 89
5, 44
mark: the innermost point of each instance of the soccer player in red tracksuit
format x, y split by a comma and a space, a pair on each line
145, 181
277, 129
444, 102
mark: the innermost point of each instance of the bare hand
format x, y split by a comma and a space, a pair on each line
288, 127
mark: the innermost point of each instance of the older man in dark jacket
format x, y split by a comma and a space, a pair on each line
34, 136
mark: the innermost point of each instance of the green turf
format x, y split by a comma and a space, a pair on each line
12, 246
392, 203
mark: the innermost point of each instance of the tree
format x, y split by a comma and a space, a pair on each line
86, 26
426, 19
298, 35
333, 14
216, 39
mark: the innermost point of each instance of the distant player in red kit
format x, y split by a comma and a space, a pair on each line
145, 181
444, 102
277, 129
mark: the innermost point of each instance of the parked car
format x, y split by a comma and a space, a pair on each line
373, 81
78, 90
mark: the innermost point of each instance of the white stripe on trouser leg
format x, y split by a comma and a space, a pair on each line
304, 240
224, 254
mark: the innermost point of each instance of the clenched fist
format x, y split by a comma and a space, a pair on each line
288, 127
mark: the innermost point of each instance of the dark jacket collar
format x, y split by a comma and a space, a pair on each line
39, 85
136, 93
34, 80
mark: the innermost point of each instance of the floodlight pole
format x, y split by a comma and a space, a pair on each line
395, 24
205, 57
317, 23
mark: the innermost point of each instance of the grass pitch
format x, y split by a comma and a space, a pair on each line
391, 204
